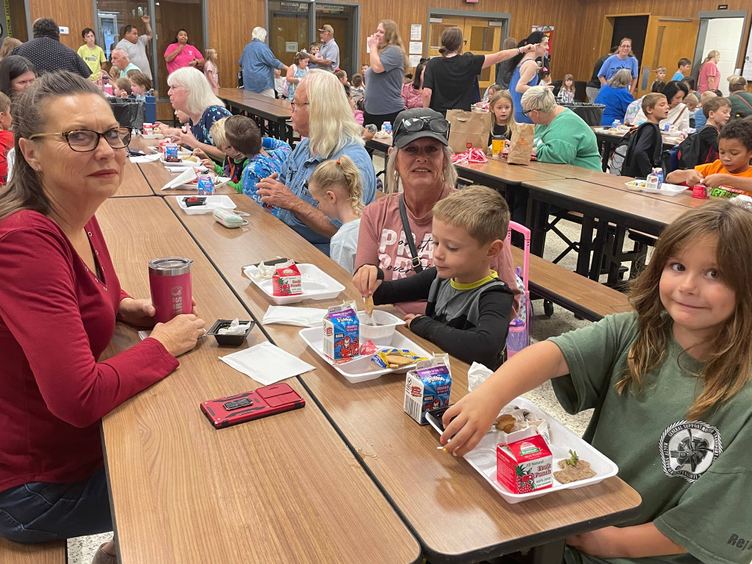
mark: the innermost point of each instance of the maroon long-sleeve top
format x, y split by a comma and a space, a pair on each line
56, 318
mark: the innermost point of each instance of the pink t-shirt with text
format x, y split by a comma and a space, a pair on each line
184, 58
381, 242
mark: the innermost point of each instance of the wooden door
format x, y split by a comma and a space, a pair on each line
667, 40
481, 37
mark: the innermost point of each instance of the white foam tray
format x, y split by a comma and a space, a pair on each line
212, 203
665, 189
361, 369
317, 285
483, 456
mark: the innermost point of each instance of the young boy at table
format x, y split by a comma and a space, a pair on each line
645, 148
717, 112
234, 162
468, 308
731, 168
6, 137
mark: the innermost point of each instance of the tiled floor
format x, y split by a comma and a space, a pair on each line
81, 550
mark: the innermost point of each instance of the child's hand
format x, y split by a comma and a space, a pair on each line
366, 280
208, 163
715, 180
468, 420
410, 317
693, 177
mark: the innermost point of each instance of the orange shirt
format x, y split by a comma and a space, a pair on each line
716, 167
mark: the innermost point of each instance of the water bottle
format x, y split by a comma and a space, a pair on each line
616, 123
205, 185
386, 127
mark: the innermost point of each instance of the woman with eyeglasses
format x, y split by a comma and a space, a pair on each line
420, 162
59, 301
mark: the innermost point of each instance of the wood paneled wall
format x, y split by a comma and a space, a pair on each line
577, 38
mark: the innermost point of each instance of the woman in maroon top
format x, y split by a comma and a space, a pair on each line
59, 301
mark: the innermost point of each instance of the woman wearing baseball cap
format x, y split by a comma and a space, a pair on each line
421, 163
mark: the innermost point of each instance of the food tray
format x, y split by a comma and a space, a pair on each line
361, 369
483, 456
212, 203
183, 162
665, 189
152, 136
317, 285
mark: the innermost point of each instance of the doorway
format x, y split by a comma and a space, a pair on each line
289, 27
16, 20
482, 36
722, 32
634, 27
667, 41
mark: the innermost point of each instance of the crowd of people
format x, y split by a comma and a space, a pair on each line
419, 242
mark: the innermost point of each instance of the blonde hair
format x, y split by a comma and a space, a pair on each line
712, 55
331, 124
495, 99
737, 83
393, 180
729, 366
393, 37
564, 82
480, 211
4, 103
621, 79
649, 101
340, 174
217, 133
538, 98
707, 95
211, 55
200, 94
8, 45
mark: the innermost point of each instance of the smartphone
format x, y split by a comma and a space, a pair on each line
434, 418
261, 402
191, 201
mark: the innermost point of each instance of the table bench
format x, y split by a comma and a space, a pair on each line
576, 293
47, 553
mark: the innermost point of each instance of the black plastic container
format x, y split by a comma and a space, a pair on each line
229, 340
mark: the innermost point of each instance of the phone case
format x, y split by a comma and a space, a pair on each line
261, 402
191, 201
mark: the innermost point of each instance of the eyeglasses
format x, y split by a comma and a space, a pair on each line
526, 112
293, 104
412, 125
86, 140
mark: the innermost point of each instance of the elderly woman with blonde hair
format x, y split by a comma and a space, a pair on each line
190, 92
321, 114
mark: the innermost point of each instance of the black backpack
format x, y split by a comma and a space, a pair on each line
619, 152
688, 152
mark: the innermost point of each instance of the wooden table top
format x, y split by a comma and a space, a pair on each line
450, 507
283, 488
134, 183
499, 170
47, 553
618, 203
266, 106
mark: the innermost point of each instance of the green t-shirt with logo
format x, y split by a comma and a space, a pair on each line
94, 58
695, 477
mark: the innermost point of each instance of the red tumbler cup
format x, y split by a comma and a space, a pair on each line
171, 289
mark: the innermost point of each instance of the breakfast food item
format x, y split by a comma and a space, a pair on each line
342, 332
427, 387
524, 466
506, 423
517, 423
396, 358
573, 469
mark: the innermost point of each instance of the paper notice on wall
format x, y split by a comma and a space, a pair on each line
416, 32
416, 47
291, 46
415, 60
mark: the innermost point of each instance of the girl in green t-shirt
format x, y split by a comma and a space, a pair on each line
671, 387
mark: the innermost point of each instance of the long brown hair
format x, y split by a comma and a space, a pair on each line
24, 188
393, 37
729, 366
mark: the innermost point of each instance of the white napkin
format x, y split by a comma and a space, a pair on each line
266, 364
298, 316
476, 375
186, 176
145, 158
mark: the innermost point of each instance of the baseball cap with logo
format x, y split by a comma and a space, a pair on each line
327, 27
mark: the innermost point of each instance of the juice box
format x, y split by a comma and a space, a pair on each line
525, 466
286, 280
342, 333
427, 387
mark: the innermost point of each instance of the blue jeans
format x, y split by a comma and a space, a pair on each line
43, 512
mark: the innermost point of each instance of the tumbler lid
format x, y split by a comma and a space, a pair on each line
170, 266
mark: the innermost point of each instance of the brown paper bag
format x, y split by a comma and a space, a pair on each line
465, 128
522, 144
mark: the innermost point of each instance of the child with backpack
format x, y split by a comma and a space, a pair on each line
646, 145
702, 147
731, 168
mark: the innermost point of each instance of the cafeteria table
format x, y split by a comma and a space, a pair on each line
453, 512
272, 114
279, 489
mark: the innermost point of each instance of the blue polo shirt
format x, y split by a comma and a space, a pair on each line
298, 169
258, 63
